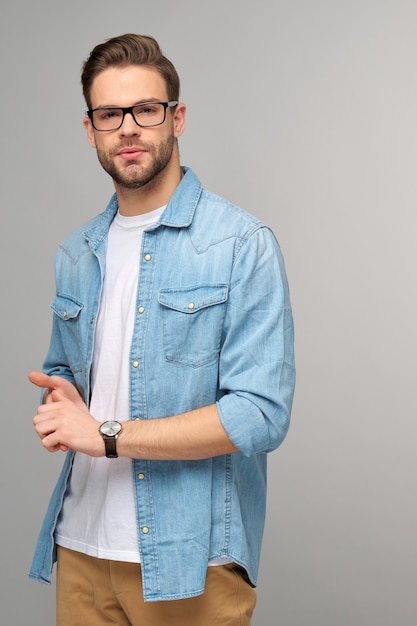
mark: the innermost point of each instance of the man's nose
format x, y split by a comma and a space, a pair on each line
129, 126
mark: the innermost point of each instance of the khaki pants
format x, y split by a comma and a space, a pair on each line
97, 592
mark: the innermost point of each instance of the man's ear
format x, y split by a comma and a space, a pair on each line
179, 119
90, 131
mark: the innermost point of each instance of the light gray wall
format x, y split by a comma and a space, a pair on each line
304, 113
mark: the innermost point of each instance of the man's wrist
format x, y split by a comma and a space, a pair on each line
110, 431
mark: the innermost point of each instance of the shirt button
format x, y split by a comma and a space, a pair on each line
145, 530
141, 309
141, 476
148, 257
191, 305
135, 363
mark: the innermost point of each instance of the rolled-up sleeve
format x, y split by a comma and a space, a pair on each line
257, 370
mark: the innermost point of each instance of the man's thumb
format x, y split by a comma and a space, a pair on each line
40, 379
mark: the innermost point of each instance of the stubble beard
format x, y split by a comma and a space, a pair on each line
133, 175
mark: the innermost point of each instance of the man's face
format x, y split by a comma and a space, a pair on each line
133, 156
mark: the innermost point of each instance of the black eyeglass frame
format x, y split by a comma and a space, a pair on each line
124, 110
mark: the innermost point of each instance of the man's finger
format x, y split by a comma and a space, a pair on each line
41, 380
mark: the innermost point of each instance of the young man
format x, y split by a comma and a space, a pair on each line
169, 376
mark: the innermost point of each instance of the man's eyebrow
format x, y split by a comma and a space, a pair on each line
137, 103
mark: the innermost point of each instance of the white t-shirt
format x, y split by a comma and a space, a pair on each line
99, 513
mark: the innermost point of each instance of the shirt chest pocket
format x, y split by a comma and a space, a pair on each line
192, 322
67, 312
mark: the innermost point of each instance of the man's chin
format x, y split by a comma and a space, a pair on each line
131, 184
131, 179
136, 182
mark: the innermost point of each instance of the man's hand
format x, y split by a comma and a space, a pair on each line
56, 383
64, 421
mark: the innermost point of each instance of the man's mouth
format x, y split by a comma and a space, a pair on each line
130, 154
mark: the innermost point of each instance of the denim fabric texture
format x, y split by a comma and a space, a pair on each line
214, 325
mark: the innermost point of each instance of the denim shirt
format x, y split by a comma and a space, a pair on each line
213, 325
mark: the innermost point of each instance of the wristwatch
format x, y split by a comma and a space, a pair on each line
110, 431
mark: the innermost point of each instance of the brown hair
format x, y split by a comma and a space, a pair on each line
126, 50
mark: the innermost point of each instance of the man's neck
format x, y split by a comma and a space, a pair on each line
151, 196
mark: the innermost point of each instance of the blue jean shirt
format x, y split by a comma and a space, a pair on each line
213, 325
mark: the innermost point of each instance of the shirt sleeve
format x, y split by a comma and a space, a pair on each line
257, 370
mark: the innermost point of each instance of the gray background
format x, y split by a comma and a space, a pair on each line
304, 113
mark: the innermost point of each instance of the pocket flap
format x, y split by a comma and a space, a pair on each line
66, 307
193, 299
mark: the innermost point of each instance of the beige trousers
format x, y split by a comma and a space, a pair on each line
97, 592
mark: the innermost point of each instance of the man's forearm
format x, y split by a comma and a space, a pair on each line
198, 434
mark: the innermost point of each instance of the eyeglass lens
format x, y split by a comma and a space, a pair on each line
149, 114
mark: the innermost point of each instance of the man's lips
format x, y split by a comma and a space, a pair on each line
130, 154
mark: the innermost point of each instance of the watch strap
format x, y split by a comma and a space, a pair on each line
110, 445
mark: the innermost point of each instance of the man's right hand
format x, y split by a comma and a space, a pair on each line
63, 387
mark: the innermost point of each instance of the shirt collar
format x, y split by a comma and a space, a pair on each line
179, 211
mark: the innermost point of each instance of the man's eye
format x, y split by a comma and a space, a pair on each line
110, 114
146, 110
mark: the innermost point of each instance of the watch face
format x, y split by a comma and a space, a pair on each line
110, 428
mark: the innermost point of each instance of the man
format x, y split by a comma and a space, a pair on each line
169, 376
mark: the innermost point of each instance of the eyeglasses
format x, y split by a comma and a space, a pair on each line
146, 115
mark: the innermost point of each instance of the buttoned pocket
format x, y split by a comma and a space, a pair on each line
66, 307
193, 322
67, 312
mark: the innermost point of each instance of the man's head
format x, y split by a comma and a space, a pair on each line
134, 117
128, 50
